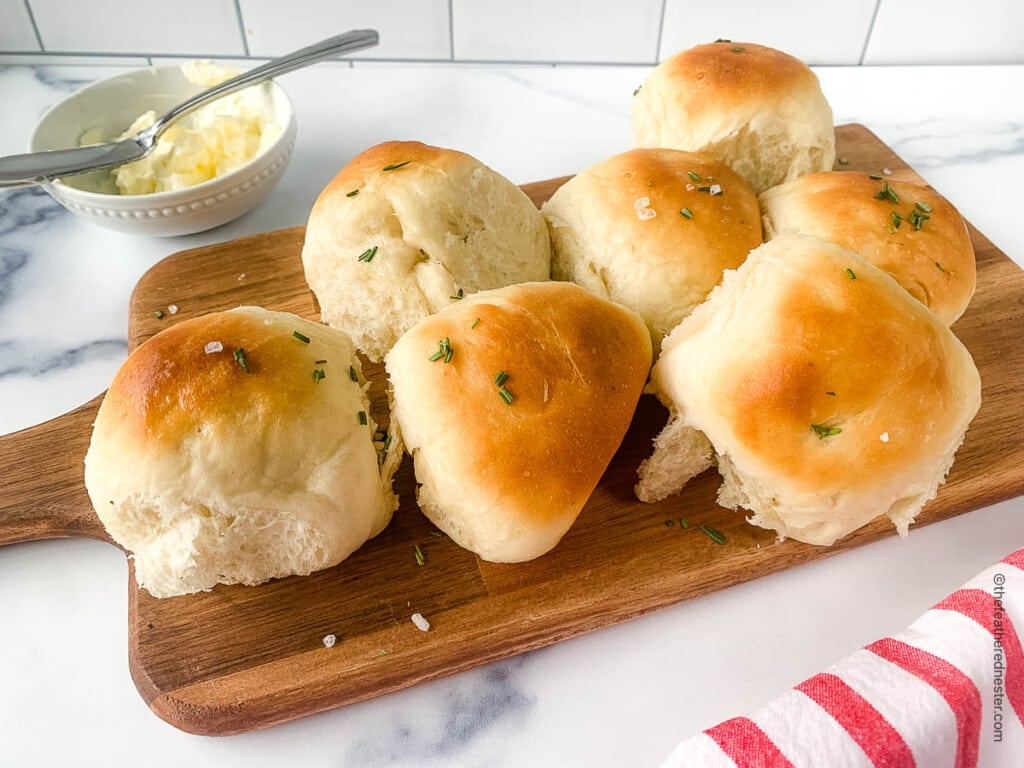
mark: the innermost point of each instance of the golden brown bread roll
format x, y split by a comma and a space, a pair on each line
512, 403
760, 110
404, 228
652, 229
905, 228
829, 395
238, 447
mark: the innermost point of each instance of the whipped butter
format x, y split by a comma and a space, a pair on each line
210, 142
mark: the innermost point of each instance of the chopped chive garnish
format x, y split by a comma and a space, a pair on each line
705, 188
352, 373
240, 359
712, 533
395, 166
362, 418
319, 362
301, 337
420, 560
475, 323
887, 193
637, 90
501, 378
437, 534
897, 219
823, 431
158, 315
444, 350
830, 393
851, 274
368, 254
693, 175
875, 177
737, 49
918, 219
683, 523
723, 40
318, 375
923, 207
459, 294
505, 395
353, 193
686, 213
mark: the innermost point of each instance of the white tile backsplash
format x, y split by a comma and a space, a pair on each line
191, 27
817, 31
557, 30
821, 32
16, 33
939, 31
409, 29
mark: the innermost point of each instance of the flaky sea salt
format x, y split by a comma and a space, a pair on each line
884, 437
715, 189
421, 623
172, 308
213, 346
690, 187
887, 171
643, 208
329, 641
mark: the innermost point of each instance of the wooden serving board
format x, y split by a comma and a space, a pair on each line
239, 658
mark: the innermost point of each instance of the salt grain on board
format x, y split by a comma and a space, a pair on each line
329, 641
421, 623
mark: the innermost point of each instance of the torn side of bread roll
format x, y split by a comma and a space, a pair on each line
238, 447
512, 403
830, 395
405, 229
758, 109
652, 229
905, 228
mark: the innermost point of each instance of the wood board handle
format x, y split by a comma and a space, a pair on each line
44, 493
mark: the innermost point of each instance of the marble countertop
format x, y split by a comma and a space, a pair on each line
621, 696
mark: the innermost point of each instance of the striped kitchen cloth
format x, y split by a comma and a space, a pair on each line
948, 691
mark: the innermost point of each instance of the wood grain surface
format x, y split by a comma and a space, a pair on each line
239, 658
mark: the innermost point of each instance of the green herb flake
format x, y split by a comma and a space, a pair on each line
686, 213
737, 49
444, 351
830, 393
823, 431
712, 533
887, 193
505, 395
693, 175
362, 418
437, 534
420, 559
475, 323
501, 378
459, 294
318, 375
923, 207
352, 373
723, 40
158, 315
301, 337
637, 90
320, 362
395, 166
382, 652
875, 177
353, 193
851, 274
368, 254
897, 219
240, 359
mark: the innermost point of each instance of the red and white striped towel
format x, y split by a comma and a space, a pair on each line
947, 692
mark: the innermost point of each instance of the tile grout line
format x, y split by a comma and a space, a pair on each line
35, 27
661, 31
871, 29
241, 27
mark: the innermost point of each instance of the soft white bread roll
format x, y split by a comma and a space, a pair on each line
829, 394
218, 466
652, 229
907, 229
404, 227
512, 403
760, 110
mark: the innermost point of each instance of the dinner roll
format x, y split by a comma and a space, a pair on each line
759, 110
405, 228
829, 395
905, 228
512, 403
238, 447
652, 229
